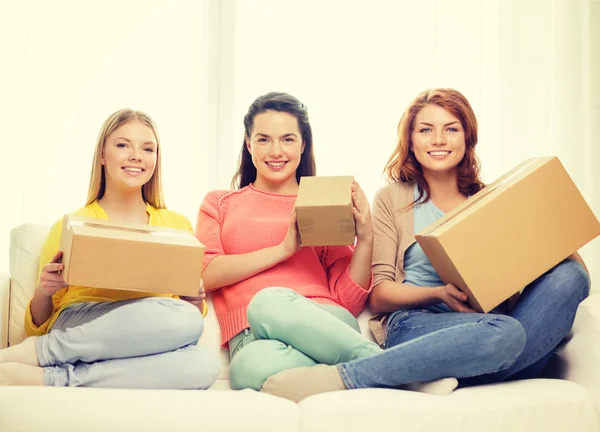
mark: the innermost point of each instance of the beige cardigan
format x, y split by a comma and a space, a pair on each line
393, 224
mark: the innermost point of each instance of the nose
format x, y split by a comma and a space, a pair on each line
440, 138
275, 150
135, 155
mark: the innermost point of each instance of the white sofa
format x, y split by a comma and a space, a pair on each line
569, 404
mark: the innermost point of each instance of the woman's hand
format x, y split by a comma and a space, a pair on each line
51, 277
454, 298
362, 213
196, 300
291, 242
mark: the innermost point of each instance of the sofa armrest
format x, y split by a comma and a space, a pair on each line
4, 308
580, 355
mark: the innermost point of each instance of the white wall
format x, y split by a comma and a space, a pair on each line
356, 65
70, 65
530, 69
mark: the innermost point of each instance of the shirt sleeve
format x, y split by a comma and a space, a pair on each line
386, 241
208, 227
184, 223
349, 294
49, 249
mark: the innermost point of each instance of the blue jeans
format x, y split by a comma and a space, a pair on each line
140, 343
477, 348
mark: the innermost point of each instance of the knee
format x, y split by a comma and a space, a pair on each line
248, 368
506, 341
267, 304
204, 369
184, 320
571, 277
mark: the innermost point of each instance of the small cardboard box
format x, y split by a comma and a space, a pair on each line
510, 233
103, 254
324, 211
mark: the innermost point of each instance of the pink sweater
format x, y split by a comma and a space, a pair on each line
246, 220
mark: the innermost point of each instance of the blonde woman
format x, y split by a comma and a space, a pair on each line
85, 336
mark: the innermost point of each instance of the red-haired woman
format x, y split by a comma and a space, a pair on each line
426, 326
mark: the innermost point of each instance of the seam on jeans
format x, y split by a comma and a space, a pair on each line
400, 322
544, 349
240, 345
41, 347
345, 377
537, 355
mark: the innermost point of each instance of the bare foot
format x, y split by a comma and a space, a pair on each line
16, 374
24, 353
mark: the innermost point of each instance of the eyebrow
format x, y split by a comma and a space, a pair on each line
447, 124
128, 140
283, 136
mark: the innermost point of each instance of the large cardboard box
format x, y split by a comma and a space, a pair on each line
103, 254
510, 233
324, 211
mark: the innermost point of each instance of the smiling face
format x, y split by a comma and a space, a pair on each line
438, 140
129, 157
276, 147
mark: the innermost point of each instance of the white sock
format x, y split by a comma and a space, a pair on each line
442, 386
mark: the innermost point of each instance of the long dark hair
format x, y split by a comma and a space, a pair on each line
281, 102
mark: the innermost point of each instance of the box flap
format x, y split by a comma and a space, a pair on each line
324, 190
474, 202
125, 230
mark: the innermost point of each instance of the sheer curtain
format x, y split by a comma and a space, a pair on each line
525, 66
69, 65
530, 69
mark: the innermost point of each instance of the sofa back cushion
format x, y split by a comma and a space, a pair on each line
26, 243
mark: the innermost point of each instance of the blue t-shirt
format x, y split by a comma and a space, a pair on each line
417, 267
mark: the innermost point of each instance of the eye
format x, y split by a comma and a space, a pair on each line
427, 129
149, 150
262, 140
452, 129
121, 145
289, 139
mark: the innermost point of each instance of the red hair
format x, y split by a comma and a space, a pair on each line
402, 165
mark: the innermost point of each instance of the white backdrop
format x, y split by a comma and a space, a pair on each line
529, 68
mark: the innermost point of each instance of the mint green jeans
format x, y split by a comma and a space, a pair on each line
287, 331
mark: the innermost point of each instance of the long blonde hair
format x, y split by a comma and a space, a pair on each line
152, 190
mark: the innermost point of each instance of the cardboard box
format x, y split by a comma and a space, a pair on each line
103, 254
324, 211
510, 233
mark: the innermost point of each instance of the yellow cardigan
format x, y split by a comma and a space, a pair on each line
76, 294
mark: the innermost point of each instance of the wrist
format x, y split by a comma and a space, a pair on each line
438, 293
41, 292
366, 237
282, 253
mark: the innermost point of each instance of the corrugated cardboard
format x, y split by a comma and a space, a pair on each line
103, 254
324, 211
510, 233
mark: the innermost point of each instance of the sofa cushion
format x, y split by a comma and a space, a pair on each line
578, 359
92, 409
520, 406
26, 243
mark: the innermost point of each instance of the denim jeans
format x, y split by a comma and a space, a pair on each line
140, 343
477, 348
287, 331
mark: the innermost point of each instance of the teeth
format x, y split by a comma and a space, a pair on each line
439, 153
275, 164
135, 170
